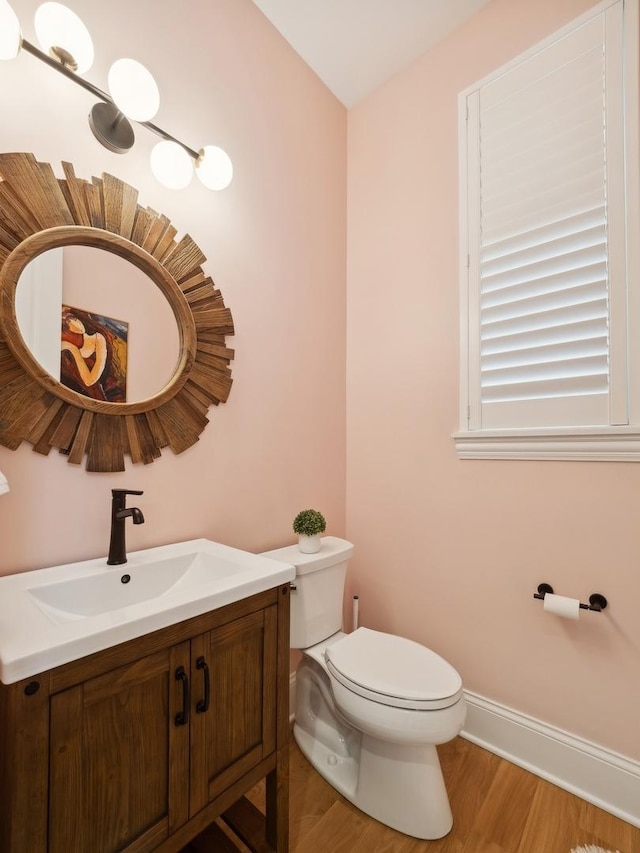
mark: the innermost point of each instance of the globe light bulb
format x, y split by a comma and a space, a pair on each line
10, 36
62, 35
133, 89
171, 165
214, 167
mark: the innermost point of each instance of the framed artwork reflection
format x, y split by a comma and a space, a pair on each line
93, 355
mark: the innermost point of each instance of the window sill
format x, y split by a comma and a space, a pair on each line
606, 444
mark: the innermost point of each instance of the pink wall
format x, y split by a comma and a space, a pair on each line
276, 247
449, 552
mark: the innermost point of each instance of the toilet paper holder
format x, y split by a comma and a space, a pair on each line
597, 601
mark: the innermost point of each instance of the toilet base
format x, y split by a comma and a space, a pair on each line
418, 807
339, 770
401, 785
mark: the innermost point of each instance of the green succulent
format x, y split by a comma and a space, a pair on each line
309, 522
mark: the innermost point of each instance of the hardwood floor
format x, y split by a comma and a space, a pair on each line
497, 808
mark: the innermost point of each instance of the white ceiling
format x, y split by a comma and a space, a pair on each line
354, 46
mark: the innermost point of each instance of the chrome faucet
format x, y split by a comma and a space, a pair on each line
119, 513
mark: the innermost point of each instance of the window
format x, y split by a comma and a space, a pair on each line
549, 233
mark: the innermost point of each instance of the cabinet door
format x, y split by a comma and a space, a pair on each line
233, 726
119, 757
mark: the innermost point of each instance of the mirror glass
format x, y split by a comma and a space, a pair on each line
97, 324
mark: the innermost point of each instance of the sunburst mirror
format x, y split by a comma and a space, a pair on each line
39, 213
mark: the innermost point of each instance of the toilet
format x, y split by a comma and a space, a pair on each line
370, 707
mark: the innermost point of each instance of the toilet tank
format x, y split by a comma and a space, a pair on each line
316, 601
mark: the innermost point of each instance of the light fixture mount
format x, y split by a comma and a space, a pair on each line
63, 57
111, 127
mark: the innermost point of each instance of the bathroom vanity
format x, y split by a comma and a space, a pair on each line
142, 745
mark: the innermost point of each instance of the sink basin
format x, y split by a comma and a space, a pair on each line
122, 586
52, 616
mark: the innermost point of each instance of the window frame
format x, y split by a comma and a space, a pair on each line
614, 442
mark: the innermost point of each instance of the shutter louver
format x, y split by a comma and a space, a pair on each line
543, 267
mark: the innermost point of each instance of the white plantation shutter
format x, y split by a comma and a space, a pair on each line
546, 245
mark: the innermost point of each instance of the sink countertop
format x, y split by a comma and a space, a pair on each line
52, 616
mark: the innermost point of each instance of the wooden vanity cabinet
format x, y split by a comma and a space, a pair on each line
142, 746
114, 751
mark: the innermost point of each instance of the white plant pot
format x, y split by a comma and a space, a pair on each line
309, 544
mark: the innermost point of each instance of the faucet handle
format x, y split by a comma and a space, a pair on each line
115, 492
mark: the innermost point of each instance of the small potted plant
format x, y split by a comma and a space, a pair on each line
309, 524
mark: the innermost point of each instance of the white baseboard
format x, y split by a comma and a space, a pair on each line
606, 779
597, 775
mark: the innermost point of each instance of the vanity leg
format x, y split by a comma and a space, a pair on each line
277, 803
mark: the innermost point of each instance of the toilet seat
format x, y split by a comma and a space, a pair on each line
393, 671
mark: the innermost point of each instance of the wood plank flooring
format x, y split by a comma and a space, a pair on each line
497, 808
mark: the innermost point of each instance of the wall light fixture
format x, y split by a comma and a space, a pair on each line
133, 96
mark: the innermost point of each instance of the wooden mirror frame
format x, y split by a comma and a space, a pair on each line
39, 212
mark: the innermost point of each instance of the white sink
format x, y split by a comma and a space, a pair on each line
52, 616
116, 587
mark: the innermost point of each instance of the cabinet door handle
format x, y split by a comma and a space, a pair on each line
203, 704
182, 717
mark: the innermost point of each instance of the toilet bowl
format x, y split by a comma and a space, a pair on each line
370, 707
379, 682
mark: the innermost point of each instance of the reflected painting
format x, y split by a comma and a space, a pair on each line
93, 358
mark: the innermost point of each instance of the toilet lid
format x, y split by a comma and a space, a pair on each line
393, 670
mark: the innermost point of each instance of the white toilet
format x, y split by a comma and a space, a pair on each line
370, 707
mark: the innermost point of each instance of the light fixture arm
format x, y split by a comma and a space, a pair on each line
167, 136
114, 114
62, 69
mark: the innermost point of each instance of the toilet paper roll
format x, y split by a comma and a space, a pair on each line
568, 608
